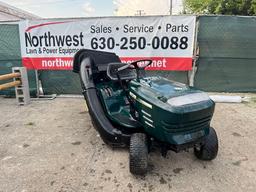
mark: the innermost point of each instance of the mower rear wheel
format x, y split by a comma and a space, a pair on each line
138, 154
209, 149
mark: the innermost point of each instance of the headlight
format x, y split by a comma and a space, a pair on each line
188, 99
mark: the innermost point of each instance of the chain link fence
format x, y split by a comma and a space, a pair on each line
227, 61
10, 56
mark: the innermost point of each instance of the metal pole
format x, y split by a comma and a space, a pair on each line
192, 73
170, 7
39, 88
37, 84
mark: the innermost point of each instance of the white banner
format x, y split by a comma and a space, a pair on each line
167, 40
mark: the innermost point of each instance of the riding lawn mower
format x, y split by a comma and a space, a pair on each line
131, 109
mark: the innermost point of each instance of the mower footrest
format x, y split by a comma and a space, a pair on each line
125, 120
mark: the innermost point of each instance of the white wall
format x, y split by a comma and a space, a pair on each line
7, 17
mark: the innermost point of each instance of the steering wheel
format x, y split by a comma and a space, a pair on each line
138, 65
141, 64
123, 67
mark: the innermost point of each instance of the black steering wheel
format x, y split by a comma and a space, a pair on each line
141, 64
138, 65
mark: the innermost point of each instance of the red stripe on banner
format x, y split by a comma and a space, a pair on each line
44, 24
164, 63
48, 63
66, 63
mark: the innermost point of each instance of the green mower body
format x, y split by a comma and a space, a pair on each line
130, 109
174, 123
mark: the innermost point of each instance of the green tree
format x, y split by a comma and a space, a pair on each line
223, 7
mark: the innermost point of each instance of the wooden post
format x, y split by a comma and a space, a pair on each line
9, 76
9, 85
20, 82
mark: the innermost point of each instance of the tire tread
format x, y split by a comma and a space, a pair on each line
138, 154
209, 150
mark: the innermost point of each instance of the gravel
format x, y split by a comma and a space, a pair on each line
52, 146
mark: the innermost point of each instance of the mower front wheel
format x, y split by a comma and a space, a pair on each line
209, 149
138, 154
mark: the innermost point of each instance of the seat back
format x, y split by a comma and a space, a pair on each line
99, 59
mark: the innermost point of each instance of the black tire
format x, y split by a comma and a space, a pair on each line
138, 154
209, 149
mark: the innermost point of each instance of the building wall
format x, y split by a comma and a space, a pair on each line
8, 17
11, 13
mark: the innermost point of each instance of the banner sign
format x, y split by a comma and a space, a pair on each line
167, 40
